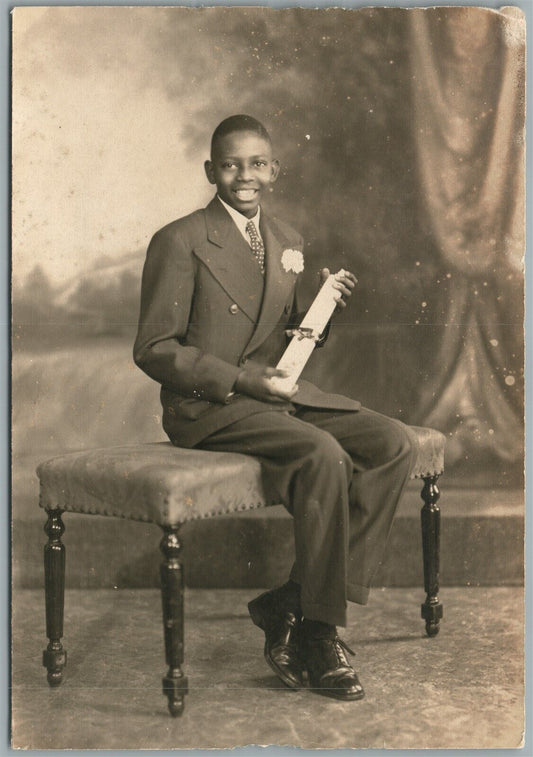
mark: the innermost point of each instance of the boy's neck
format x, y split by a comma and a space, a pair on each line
240, 218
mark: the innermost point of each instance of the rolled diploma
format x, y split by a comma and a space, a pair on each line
299, 349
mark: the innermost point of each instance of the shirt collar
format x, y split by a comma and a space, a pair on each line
239, 219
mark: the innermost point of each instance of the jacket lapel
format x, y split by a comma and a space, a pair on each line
278, 283
229, 259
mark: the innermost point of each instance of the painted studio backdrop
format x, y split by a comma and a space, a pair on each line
400, 134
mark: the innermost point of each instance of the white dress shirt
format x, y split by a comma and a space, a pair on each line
241, 220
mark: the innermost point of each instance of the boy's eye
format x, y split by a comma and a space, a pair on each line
228, 164
260, 163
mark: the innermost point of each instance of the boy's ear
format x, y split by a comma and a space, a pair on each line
208, 167
274, 170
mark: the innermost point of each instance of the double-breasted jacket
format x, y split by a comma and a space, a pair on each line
207, 311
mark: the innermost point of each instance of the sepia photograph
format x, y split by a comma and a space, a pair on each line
267, 377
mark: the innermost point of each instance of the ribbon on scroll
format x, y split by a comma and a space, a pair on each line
304, 338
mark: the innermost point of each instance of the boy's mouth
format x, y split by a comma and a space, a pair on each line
245, 194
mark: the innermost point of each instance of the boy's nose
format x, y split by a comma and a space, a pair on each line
244, 173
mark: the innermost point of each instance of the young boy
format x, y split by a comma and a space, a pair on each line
218, 294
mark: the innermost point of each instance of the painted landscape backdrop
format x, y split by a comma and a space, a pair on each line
400, 135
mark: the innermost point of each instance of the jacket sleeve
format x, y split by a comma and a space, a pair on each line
167, 292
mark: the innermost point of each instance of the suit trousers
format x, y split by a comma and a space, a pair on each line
340, 474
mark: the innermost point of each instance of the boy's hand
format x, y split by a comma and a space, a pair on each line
255, 383
344, 284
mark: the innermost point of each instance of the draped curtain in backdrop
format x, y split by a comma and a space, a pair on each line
468, 85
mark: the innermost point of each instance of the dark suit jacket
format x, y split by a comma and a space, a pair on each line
206, 310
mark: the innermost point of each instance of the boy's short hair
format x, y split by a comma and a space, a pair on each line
239, 122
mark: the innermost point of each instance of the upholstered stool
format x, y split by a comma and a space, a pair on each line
162, 484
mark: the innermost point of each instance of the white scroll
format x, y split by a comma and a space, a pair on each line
303, 342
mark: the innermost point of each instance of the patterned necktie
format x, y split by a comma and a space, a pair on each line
256, 243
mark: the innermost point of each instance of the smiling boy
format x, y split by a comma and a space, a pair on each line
242, 167
216, 302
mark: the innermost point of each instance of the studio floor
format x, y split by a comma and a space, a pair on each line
462, 689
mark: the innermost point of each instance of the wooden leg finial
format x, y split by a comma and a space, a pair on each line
430, 519
54, 656
175, 684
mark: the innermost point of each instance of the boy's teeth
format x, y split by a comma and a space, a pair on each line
245, 194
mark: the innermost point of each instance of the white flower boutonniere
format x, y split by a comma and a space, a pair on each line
292, 260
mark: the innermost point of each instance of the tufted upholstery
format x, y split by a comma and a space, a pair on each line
163, 484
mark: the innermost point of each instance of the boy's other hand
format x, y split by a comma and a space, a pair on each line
344, 284
255, 382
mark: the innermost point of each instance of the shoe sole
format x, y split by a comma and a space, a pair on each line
332, 693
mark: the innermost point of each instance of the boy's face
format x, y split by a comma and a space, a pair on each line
242, 167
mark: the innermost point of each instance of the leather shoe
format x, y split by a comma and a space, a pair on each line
281, 626
329, 670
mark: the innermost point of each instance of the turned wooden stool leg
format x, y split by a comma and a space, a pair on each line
430, 518
175, 684
54, 656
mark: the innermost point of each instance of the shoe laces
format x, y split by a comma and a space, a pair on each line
341, 647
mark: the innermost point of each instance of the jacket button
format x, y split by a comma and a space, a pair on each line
234, 309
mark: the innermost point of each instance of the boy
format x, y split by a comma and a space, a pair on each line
218, 295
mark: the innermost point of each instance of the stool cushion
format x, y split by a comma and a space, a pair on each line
168, 485
153, 482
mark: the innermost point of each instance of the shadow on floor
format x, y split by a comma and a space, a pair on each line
459, 690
